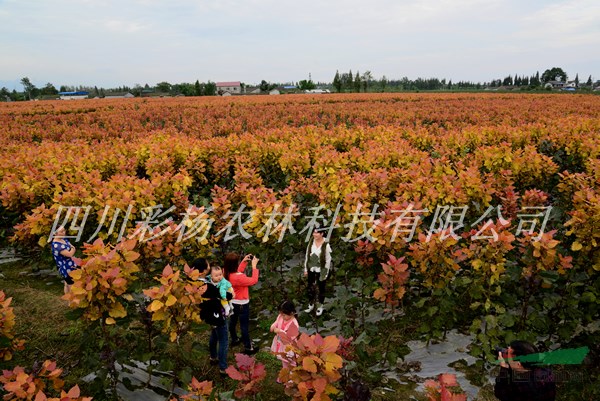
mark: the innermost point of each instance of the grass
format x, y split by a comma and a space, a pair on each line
42, 319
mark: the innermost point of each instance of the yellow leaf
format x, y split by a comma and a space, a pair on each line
576, 246
170, 300
155, 305
160, 315
110, 320
117, 311
333, 361
42, 241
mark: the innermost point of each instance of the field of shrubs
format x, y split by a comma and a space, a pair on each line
478, 213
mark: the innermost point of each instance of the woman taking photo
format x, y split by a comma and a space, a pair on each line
240, 282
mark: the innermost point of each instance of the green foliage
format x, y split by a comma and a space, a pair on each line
554, 73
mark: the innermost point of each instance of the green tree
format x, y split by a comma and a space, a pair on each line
337, 82
357, 82
306, 84
184, 88
4, 94
366, 79
554, 73
49, 89
383, 82
349, 81
210, 89
577, 80
28, 87
163, 87
264, 86
197, 88
589, 81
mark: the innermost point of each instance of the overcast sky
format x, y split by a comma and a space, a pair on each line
110, 43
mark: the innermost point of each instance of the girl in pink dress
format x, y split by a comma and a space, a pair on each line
286, 329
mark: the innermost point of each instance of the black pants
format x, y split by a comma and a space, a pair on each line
313, 281
241, 313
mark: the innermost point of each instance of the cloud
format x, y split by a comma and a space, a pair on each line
121, 26
110, 42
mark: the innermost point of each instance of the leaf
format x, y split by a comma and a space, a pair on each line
160, 315
42, 241
74, 392
379, 294
155, 306
117, 311
171, 300
330, 344
243, 360
110, 320
131, 256
333, 361
319, 385
309, 365
576, 246
234, 374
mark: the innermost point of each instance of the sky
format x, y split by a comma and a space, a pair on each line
110, 43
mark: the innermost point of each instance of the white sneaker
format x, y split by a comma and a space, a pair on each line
320, 310
310, 308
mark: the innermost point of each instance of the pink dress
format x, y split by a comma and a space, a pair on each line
290, 330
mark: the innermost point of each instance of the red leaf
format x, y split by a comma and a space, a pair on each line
235, 374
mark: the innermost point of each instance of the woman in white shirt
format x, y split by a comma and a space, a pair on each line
317, 264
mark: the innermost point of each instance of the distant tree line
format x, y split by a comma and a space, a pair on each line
344, 82
30, 91
349, 82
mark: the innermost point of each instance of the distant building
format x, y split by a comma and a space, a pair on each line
73, 95
560, 84
118, 95
274, 92
233, 88
250, 90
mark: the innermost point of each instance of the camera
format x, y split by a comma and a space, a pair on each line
503, 351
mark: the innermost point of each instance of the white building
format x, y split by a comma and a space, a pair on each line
73, 95
233, 88
125, 95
